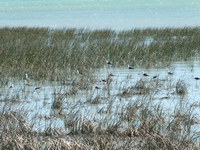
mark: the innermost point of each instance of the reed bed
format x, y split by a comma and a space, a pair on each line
53, 54
141, 126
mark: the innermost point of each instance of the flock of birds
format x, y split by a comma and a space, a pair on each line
26, 82
109, 63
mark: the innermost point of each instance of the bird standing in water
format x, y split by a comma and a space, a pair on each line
154, 77
26, 79
130, 67
109, 63
145, 74
196, 78
170, 73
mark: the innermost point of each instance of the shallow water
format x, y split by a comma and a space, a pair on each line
38, 103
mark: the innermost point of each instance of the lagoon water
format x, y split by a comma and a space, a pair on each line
100, 14
38, 103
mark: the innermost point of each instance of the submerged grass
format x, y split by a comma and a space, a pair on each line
141, 125
51, 54
101, 122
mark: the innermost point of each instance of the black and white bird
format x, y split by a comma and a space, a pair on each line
196, 78
37, 88
154, 77
109, 63
130, 67
170, 73
144, 74
11, 86
96, 87
79, 73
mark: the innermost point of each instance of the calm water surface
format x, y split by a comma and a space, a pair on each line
93, 14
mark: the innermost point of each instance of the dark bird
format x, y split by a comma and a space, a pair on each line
109, 63
196, 78
170, 73
130, 67
145, 74
96, 87
107, 80
104, 80
11, 86
37, 88
154, 77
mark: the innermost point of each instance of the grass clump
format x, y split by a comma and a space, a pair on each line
181, 87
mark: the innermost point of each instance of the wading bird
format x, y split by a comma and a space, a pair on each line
79, 72
170, 73
104, 80
26, 79
26, 76
145, 74
111, 75
130, 67
11, 86
154, 77
96, 87
109, 63
37, 88
196, 78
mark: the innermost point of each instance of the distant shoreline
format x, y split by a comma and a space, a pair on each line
99, 29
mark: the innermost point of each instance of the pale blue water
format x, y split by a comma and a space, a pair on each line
98, 14
38, 103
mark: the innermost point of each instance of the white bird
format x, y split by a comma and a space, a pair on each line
26, 79
26, 75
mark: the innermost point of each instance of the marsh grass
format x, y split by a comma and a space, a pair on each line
99, 119
50, 54
140, 125
181, 87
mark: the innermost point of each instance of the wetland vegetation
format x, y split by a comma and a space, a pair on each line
53, 94
54, 54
